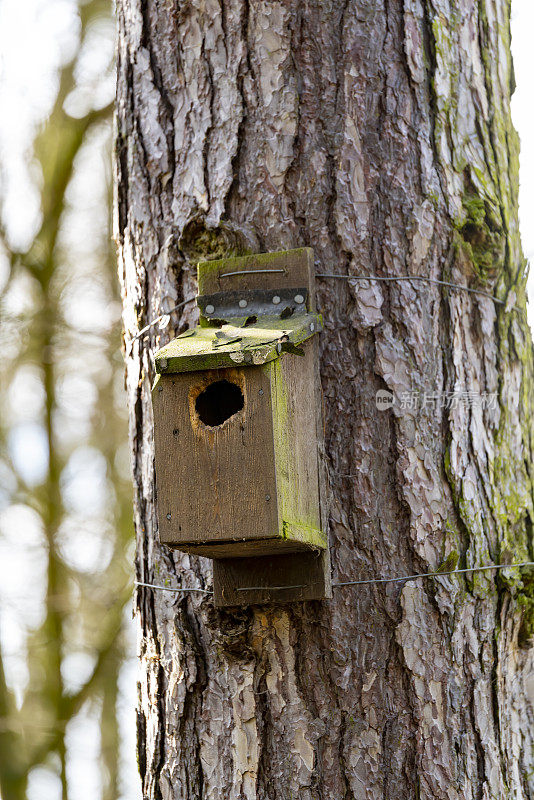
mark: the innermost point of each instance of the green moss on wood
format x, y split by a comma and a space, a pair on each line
201, 348
293, 525
251, 261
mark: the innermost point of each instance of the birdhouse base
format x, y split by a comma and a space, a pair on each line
272, 579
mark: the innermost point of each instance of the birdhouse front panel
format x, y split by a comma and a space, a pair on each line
232, 474
215, 468
237, 421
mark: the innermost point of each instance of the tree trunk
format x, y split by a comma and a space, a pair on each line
379, 134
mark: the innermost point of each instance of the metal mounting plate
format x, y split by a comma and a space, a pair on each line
253, 302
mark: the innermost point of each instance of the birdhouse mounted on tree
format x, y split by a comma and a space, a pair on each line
237, 425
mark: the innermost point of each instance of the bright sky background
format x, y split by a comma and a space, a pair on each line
523, 115
35, 37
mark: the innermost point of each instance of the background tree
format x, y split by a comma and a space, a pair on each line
66, 497
380, 135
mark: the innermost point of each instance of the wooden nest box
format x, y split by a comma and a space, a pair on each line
237, 424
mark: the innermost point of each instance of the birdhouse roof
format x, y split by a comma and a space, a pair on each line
239, 341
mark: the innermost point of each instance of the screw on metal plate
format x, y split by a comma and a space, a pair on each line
258, 302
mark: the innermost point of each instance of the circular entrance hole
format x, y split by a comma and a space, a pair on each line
218, 402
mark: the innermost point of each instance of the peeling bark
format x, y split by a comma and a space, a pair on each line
378, 133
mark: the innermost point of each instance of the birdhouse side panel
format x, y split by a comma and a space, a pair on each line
215, 482
295, 418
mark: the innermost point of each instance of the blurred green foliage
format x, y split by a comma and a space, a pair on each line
66, 505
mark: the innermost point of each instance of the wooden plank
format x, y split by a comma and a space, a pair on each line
252, 345
247, 549
295, 409
214, 483
297, 271
308, 572
325, 493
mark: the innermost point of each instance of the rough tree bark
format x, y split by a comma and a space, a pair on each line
378, 132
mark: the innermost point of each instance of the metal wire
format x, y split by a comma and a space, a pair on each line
352, 583
422, 278
158, 319
434, 574
381, 278
171, 589
191, 300
365, 581
250, 272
